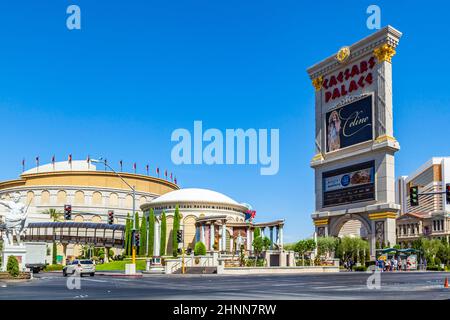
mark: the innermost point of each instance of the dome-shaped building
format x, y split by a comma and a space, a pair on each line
207, 216
92, 192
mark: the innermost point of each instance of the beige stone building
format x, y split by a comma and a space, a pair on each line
431, 217
91, 192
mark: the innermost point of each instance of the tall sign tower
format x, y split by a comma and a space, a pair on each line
354, 140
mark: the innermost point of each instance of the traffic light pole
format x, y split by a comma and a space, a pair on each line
133, 255
133, 188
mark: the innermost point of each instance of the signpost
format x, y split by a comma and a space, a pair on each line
354, 139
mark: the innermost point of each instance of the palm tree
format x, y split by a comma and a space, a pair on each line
55, 215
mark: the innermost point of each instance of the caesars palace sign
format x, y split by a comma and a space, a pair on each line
355, 145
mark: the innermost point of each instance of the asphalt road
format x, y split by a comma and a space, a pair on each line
420, 285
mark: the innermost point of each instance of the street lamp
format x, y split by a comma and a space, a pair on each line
133, 189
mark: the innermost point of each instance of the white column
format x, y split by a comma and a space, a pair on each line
253, 238
220, 240
224, 236
281, 237
231, 239
202, 234
277, 235
248, 239
156, 239
211, 236
262, 232
271, 238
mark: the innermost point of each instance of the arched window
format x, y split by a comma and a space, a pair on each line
96, 219
113, 200
45, 197
79, 198
128, 201
30, 198
61, 197
97, 198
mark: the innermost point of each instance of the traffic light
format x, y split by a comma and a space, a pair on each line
179, 236
111, 217
136, 239
67, 212
447, 193
414, 196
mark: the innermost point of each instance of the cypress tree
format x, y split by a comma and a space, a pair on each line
256, 233
136, 221
163, 233
136, 228
176, 227
143, 239
151, 232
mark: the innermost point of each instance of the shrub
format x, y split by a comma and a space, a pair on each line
118, 257
53, 267
251, 262
434, 268
437, 261
200, 249
12, 266
360, 268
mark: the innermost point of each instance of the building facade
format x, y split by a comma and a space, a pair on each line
90, 192
431, 218
210, 217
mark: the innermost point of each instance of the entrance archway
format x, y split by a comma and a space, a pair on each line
353, 228
352, 224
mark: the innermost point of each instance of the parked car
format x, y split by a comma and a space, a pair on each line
80, 266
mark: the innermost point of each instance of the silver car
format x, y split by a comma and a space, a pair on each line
81, 267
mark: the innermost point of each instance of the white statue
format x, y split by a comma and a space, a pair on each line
14, 220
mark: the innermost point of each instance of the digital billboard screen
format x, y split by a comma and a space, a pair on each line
350, 184
349, 125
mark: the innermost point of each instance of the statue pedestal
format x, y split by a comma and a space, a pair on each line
19, 251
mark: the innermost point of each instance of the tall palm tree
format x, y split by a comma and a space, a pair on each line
55, 215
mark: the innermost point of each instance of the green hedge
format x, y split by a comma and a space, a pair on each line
53, 267
360, 268
434, 268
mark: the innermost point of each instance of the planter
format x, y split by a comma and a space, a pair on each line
21, 276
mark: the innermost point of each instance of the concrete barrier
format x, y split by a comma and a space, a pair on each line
277, 270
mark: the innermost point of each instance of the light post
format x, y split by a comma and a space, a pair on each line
133, 189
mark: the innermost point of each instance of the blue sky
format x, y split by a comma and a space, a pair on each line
137, 70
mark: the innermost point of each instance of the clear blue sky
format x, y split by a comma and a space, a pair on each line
140, 69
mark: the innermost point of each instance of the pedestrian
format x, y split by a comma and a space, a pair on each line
400, 264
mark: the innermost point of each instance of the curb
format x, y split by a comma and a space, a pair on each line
120, 275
